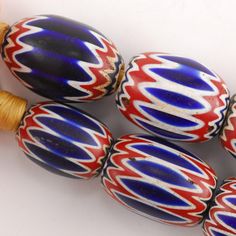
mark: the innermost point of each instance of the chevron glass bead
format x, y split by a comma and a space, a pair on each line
62, 59
173, 97
158, 180
64, 140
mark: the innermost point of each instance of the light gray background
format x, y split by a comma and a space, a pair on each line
36, 202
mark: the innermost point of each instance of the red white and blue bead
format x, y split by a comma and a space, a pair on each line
221, 220
167, 95
64, 140
173, 97
228, 132
159, 180
62, 59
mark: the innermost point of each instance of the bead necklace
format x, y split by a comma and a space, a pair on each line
170, 96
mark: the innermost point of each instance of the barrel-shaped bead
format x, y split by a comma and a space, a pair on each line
64, 140
221, 220
228, 132
62, 59
173, 97
159, 180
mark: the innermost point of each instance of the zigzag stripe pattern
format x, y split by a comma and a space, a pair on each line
64, 140
173, 97
100, 70
158, 180
228, 134
75, 61
13, 46
221, 220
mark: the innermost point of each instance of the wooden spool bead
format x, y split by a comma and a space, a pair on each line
12, 110
3, 30
59, 138
62, 59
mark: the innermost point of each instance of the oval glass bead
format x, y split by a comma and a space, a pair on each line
228, 132
158, 180
173, 97
62, 59
64, 140
221, 218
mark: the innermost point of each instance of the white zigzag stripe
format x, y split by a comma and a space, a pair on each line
151, 205
25, 47
218, 110
128, 83
229, 125
87, 65
157, 104
230, 214
161, 125
160, 183
218, 205
46, 129
84, 65
177, 153
213, 230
